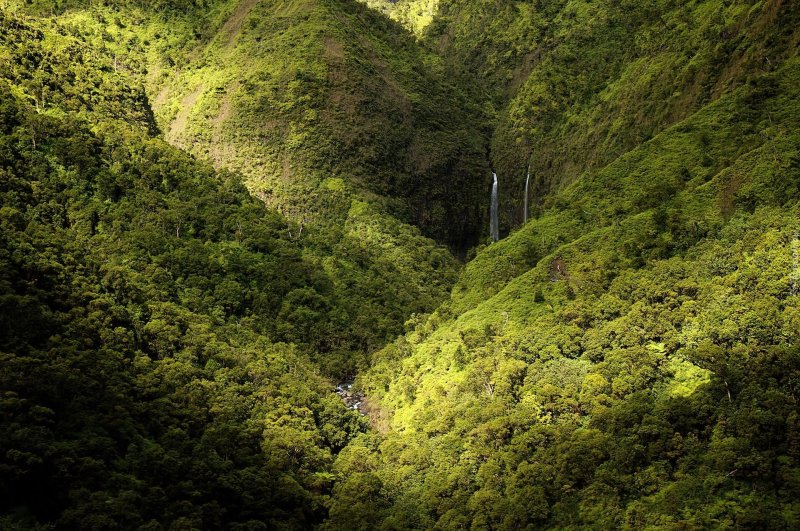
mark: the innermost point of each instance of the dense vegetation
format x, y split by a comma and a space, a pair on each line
610, 370
629, 358
139, 383
159, 322
335, 92
577, 84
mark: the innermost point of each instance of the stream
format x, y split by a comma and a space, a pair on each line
352, 399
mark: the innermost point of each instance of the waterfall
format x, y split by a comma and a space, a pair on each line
527, 182
494, 225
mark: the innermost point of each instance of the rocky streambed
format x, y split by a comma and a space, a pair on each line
352, 399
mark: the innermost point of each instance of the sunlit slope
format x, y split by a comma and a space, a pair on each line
293, 94
627, 358
353, 158
415, 15
335, 120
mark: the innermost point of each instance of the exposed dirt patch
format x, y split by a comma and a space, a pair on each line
558, 269
391, 87
161, 97
794, 42
226, 109
379, 418
220, 147
287, 172
334, 50
727, 195
178, 126
233, 26
341, 95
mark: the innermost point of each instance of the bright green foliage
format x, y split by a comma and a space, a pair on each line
415, 15
158, 321
380, 270
629, 357
293, 93
55, 70
304, 109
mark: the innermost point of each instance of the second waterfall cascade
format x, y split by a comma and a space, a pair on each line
494, 224
527, 182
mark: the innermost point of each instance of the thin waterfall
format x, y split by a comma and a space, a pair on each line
527, 182
494, 224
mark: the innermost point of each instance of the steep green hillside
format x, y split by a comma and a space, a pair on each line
382, 269
300, 95
630, 357
415, 15
576, 84
341, 143
158, 321
144, 301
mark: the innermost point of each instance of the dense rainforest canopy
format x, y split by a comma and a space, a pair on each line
212, 212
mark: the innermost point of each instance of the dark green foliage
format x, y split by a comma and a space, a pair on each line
138, 290
578, 84
145, 298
